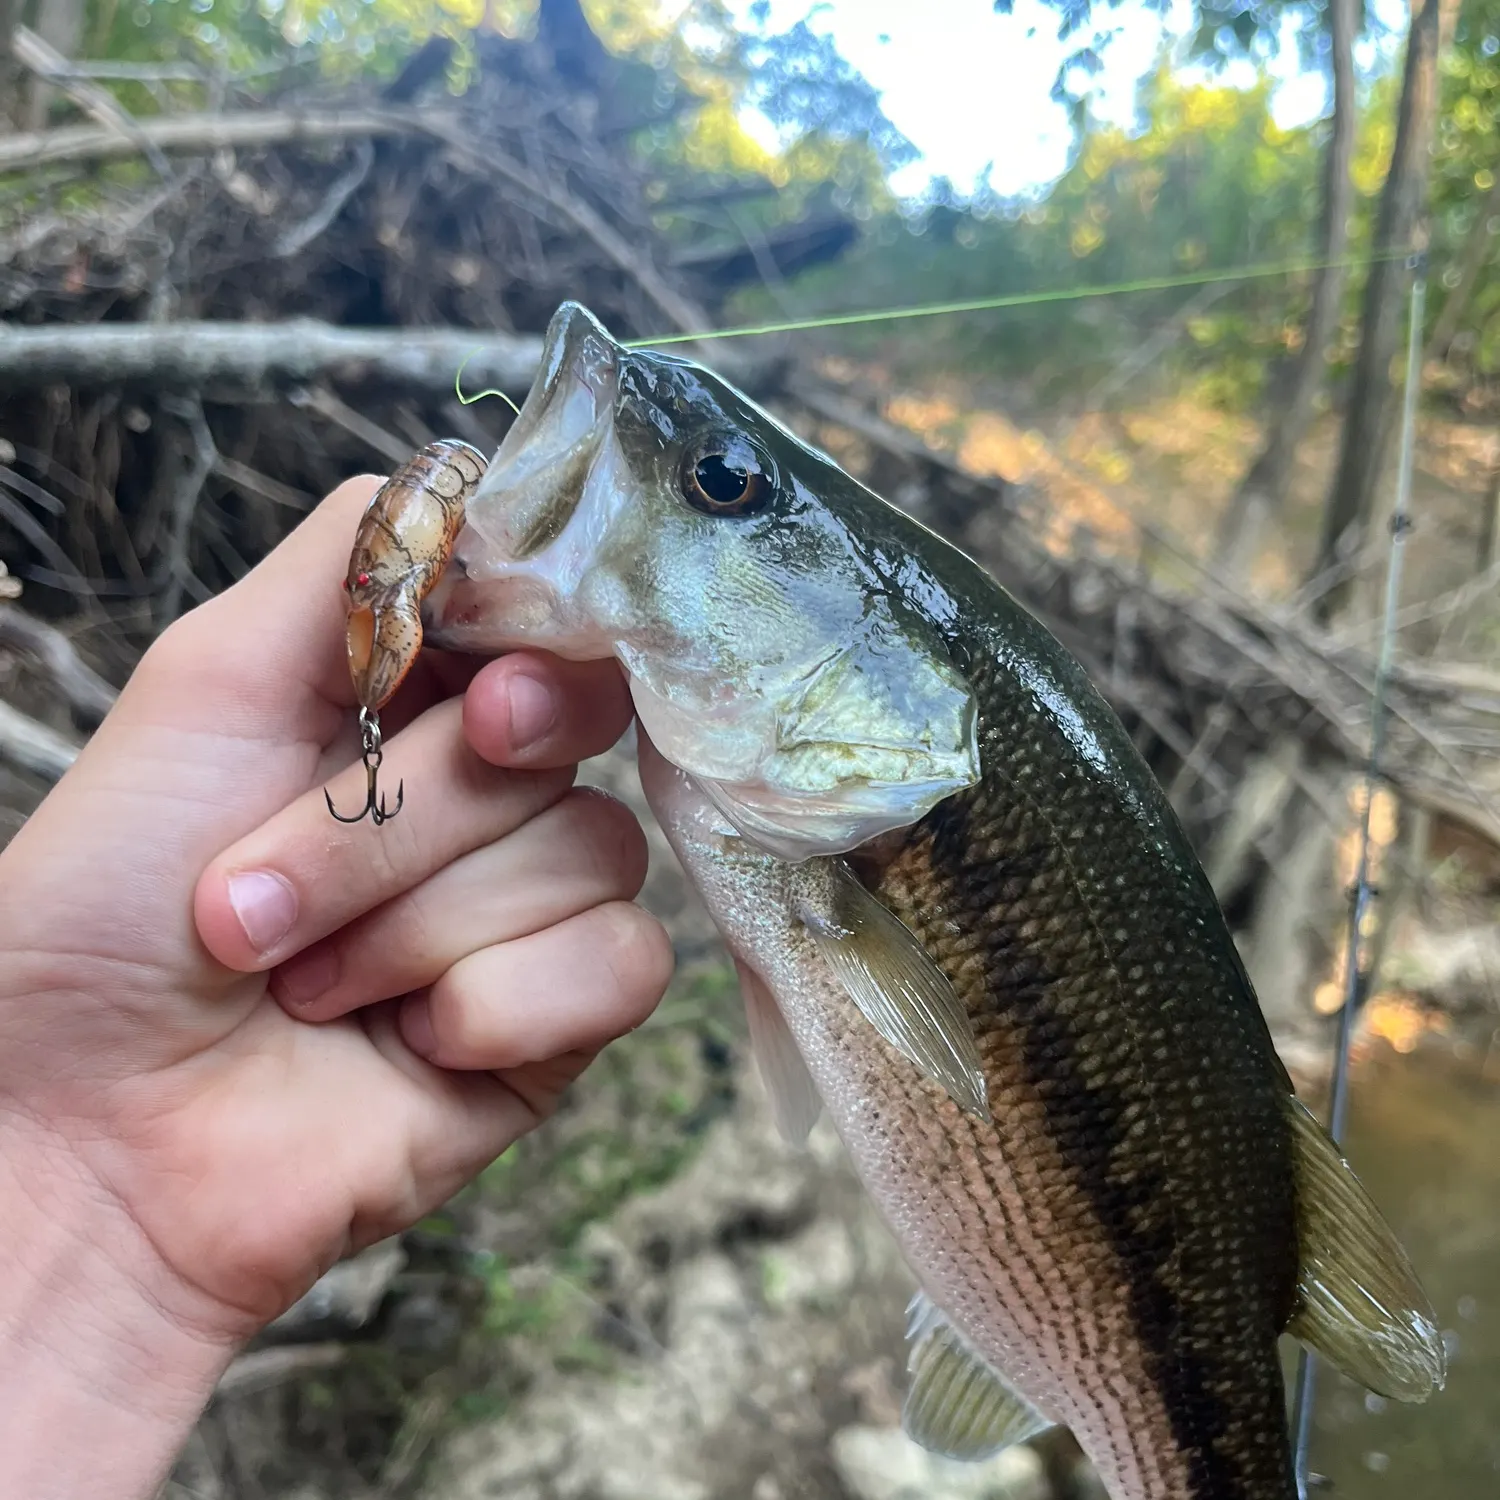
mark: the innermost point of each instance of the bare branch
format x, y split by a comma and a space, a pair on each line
684, 314
190, 356
371, 434
202, 134
243, 477
263, 1369
199, 134
300, 236
45, 645
13, 511
43, 59
138, 72
201, 460
33, 746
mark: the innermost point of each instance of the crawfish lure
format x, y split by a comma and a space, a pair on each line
404, 540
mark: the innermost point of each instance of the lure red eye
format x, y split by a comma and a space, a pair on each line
345, 585
361, 579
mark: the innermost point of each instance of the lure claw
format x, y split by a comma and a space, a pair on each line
372, 754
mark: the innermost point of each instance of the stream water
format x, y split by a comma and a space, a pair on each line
1424, 1135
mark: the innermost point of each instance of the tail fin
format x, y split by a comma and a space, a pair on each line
1359, 1304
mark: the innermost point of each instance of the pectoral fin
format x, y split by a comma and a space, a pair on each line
899, 989
795, 1104
957, 1404
1358, 1301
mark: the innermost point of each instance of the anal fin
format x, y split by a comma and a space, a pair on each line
795, 1104
958, 1405
1359, 1304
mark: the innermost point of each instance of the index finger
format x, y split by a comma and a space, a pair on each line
283, 625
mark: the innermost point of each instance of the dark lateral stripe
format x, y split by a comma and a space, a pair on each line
1126, 1186
1128, 1206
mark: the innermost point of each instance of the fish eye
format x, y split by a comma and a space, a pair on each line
726, 476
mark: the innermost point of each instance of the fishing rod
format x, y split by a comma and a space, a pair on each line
1364, 891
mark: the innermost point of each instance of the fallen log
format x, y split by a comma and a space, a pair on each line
252, 357
198, 134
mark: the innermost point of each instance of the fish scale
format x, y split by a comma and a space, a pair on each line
966, 922
1107, 1027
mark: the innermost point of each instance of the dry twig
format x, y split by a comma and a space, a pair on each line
52, 67
33, 746
86, 693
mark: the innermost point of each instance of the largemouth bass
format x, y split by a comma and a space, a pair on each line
967, 924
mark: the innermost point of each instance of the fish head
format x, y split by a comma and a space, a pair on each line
642, 508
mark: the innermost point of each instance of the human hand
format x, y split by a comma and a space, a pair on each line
210, 1084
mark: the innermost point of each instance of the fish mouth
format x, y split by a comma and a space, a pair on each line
513, 571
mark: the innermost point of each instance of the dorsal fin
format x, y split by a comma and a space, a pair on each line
1359, 1304
957, 1404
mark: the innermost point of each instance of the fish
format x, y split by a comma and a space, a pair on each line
967, 925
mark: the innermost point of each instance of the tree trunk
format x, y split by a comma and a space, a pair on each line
59, 23
1484, 542
1478, 244
1263, 489
1399, 222
10, 70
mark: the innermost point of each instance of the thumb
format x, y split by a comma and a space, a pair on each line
272, 647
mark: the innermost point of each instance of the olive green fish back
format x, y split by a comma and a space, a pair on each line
1115, 1024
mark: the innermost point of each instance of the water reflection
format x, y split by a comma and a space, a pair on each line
1424, 1134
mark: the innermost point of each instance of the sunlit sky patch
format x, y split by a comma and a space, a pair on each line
972, 89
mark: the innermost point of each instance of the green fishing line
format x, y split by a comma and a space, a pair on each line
977, 304
1021, 299
458, 389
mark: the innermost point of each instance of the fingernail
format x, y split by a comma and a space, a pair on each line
308, 977
266, 906
416, 1026
533, 710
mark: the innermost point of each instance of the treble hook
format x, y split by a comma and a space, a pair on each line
371, 753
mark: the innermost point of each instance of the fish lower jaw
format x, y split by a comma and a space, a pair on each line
488, 617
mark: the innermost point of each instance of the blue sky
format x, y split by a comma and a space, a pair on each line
972, 89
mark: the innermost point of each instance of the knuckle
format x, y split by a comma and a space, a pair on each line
184, 652
418, 933
638, 951
458, 1014
392, 853
536, 792
607, 834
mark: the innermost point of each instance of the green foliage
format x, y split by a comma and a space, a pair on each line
1210, 180
1465, 165
1207, 180
519, 1312
1222, 31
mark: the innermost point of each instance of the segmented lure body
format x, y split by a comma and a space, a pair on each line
404, 540
402, 545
